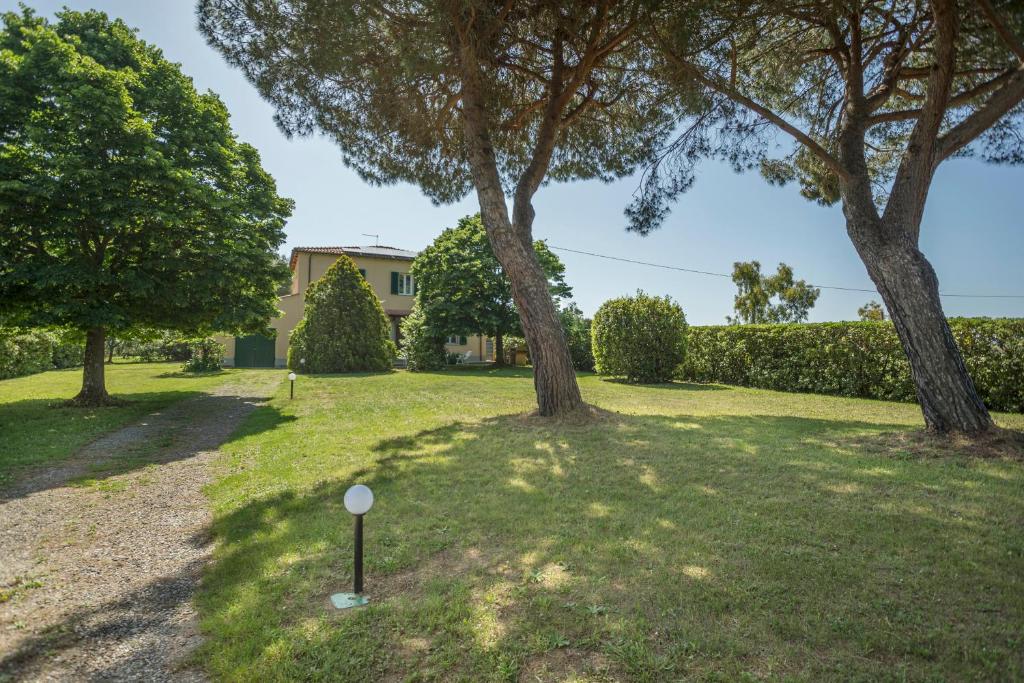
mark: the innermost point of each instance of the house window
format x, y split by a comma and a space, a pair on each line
405, 285
457, 340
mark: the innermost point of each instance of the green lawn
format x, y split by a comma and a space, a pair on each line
695, 533
36, 429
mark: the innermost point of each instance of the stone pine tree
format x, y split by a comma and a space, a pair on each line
774, 298
125, 199
462, 288
343, 327
462, 95
874, 95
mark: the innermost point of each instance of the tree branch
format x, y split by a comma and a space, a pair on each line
958, 100
694, 72
1004, 99
1001, 28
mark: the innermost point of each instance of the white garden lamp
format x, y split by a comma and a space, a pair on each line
291, 378
358, 501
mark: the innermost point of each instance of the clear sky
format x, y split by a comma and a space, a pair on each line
973, 230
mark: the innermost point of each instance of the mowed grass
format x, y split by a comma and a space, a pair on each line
36, 429
693, 532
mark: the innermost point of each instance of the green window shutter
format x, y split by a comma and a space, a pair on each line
462, 341
362, 271
414, 285
394, 282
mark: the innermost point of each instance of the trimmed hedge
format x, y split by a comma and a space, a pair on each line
26, 352
862, 359
641, 338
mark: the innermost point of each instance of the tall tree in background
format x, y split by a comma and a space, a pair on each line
875, 94
793, 299
459, 95
125, 200
461, 287
871, 311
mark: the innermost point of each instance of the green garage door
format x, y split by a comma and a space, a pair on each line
254, 351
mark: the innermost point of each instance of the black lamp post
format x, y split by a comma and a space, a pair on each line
291, 378
358, 501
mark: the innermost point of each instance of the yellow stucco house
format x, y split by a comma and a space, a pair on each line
387, 271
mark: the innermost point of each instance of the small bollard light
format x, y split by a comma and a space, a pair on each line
358, 501
291, 378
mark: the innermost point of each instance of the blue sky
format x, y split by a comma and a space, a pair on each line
972, 230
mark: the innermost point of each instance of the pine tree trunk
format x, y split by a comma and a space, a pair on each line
499, 348
94, 389
910, 289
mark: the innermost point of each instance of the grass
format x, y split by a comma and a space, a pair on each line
38, 430
692, 532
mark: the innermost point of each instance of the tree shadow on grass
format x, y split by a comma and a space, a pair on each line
642, 547
182, 425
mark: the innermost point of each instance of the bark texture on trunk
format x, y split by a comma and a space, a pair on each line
512, 241
910, 289
499, 349
94, 388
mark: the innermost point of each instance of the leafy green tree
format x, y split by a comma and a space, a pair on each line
875, 95
125, 199
641, 338
871, 311
343, 327
462, 288
577, 334
793, 299
422, 344
454, 96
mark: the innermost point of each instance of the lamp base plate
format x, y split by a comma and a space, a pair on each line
347, 600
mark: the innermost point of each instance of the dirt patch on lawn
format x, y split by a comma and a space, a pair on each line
101, 555
1002, 444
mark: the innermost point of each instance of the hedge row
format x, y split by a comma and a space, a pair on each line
862, 359
25, 352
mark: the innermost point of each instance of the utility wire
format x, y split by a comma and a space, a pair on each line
726, 275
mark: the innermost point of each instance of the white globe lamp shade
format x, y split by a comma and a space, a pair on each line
359, 499
291, 376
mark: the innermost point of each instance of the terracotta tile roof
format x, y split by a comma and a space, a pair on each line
375, 252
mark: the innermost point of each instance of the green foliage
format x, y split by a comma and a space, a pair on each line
344, 328
461, 288
871, 311
207, 355
642, 338
753, 303
382, 79
422, 345
26, 352
853, 358
125, 198
156, 345
577, 334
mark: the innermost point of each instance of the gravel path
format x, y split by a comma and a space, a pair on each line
99, 557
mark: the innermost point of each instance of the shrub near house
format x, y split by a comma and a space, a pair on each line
344, 328
641, 338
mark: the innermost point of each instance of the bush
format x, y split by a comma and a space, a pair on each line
25, 352
577, 335
423, 347
344, 328
641, 338
156, 345
863, 359
206, 355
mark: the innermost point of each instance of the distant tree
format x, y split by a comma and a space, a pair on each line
125, 199
343, 326
875, 95
793, 299
462, 288
577, 334
422, 345
454, 96
872, 310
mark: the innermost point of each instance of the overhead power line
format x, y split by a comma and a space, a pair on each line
729, 276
